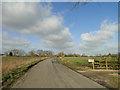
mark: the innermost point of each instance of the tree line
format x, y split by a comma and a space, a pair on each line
40, 53
19, 52
62, 54
44, 53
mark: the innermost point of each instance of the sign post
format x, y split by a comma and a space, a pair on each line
91, 60
93, 65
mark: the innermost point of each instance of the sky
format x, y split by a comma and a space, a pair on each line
58, 26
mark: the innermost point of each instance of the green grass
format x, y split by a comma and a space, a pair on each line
9, 78
78, 63
82, 60
115, 81
81, 63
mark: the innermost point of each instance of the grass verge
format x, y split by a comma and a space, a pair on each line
9, 78
75, 63
107, 78
12, 62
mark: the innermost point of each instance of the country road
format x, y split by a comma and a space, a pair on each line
51, 74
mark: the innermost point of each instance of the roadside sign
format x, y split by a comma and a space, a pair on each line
91, 60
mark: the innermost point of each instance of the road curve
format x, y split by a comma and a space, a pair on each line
51, 74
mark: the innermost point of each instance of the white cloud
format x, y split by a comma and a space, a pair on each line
37, 19
93, 41
9, 42
113, 48
24, 16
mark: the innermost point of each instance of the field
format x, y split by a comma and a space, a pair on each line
78, 63
9, 63
15, 67
108, 78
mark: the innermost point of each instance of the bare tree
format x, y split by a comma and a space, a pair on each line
61, 54
48, 53
21, 53
42, 53
15, 52
6, 53
32, 53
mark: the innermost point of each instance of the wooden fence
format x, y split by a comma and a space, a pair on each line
106, 63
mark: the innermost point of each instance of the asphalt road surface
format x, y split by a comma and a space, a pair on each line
51, 74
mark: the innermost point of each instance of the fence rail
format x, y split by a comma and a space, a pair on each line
106, 63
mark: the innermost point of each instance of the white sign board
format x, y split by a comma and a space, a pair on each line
90, 60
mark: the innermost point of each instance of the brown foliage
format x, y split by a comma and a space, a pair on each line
15, 62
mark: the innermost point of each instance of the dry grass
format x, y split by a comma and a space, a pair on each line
9, 63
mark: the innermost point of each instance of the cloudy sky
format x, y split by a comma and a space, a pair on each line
91, 29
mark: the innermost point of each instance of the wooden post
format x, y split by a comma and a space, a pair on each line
93, 65
106, 64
